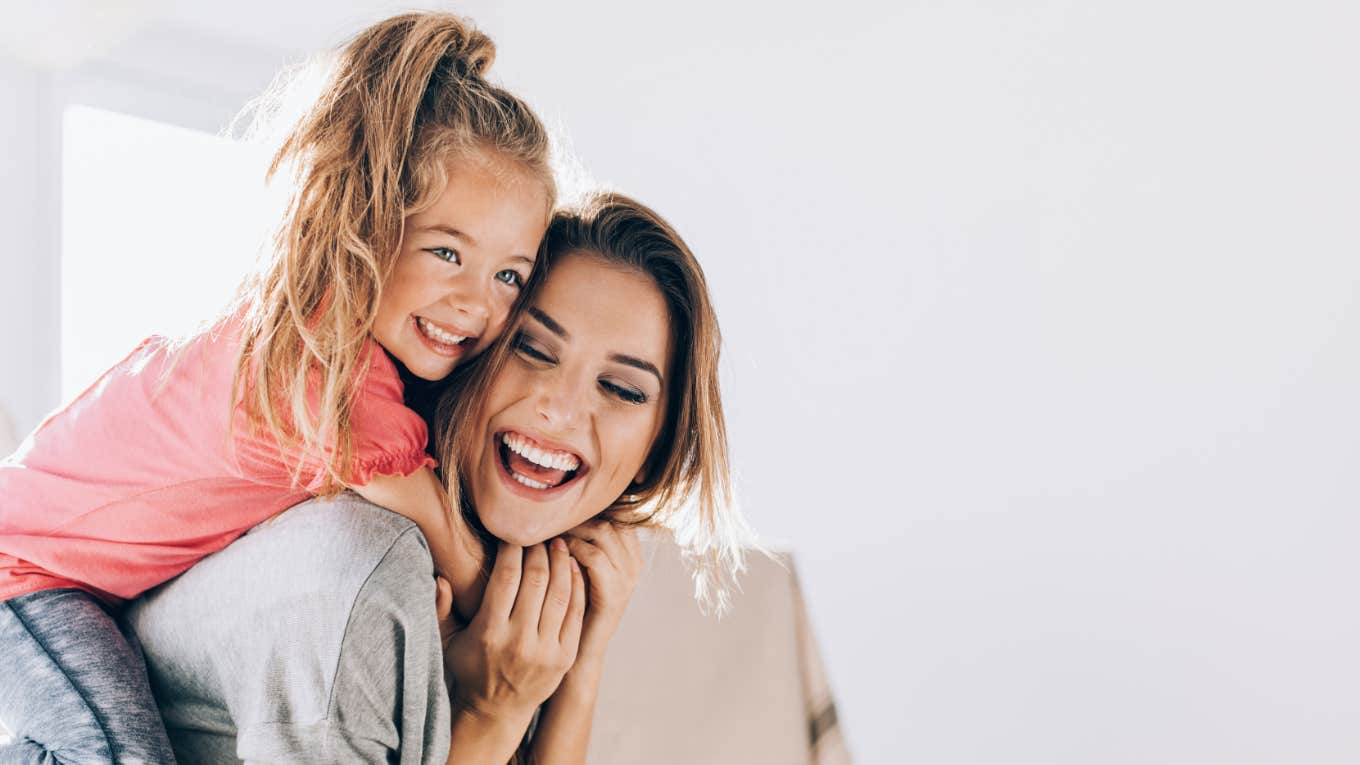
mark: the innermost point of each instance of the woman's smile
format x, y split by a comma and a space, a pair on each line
536, 465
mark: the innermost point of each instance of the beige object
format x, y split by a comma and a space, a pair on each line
682, 687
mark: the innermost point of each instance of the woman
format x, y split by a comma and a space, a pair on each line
599, 412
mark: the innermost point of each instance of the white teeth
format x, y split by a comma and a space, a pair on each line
439, 334
531, 483
542, 457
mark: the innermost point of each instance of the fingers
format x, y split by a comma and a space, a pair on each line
443, 598
576, 611
620, 543
632, 543
443, 607
591, 557
558, 598
533, 585
503, 586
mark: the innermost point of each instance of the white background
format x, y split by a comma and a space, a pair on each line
1041, 319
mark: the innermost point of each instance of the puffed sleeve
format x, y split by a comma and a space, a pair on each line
388, 437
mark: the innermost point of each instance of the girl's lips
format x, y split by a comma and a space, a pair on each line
442, 349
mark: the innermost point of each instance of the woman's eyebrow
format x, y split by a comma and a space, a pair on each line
637, 363
549, 322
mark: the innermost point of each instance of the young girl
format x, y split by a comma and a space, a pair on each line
422, 194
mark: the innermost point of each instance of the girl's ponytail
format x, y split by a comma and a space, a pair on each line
405, 95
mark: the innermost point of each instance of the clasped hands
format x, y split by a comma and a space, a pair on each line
547, 609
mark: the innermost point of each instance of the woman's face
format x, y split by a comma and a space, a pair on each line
569, 421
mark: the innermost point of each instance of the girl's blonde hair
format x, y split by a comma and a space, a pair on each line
687, 485
405, 96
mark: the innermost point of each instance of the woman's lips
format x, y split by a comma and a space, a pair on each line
524, 477
539, 477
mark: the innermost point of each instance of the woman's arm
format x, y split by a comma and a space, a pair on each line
612, 558
563, 734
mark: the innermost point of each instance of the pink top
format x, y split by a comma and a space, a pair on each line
132, 483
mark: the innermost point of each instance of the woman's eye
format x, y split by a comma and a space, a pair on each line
510, 277
444, 253
525, 346
625, 394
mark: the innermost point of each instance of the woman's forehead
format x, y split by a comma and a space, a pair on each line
589, 301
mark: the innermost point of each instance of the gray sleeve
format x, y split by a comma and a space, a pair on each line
310, 639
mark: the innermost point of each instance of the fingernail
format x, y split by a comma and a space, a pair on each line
558, 544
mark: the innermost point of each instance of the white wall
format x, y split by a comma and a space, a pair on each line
28, 289
1042, 323
1041, 326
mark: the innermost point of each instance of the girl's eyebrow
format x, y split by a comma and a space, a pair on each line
456, 234
450, 230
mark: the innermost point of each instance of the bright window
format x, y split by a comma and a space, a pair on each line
159, 224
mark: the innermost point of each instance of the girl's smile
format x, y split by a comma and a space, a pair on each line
443, 340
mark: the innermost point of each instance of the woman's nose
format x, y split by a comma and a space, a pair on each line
560, 404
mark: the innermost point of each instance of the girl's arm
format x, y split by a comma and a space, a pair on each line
422, 498
612, 558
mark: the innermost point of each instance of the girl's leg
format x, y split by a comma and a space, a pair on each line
72, 687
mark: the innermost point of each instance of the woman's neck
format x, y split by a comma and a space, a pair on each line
468, 581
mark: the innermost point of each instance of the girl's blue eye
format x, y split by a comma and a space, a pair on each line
510, 277
444, 253
625, 394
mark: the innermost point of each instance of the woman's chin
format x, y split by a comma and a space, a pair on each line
517, 531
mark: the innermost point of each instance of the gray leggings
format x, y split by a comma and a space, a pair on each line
73, 685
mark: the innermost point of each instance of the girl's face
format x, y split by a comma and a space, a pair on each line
569, 421
462, 263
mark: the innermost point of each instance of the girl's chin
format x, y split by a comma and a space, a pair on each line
429, 369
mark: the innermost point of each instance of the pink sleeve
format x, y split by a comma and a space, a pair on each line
389, 438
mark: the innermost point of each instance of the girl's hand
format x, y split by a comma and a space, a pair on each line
612, 558
524, 638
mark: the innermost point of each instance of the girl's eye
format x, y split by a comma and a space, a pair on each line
625, 394
525, 346
510, 277
444, 253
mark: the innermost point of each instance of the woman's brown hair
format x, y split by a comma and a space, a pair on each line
406, 96
687, 488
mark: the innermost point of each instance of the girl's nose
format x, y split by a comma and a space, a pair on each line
474, 302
